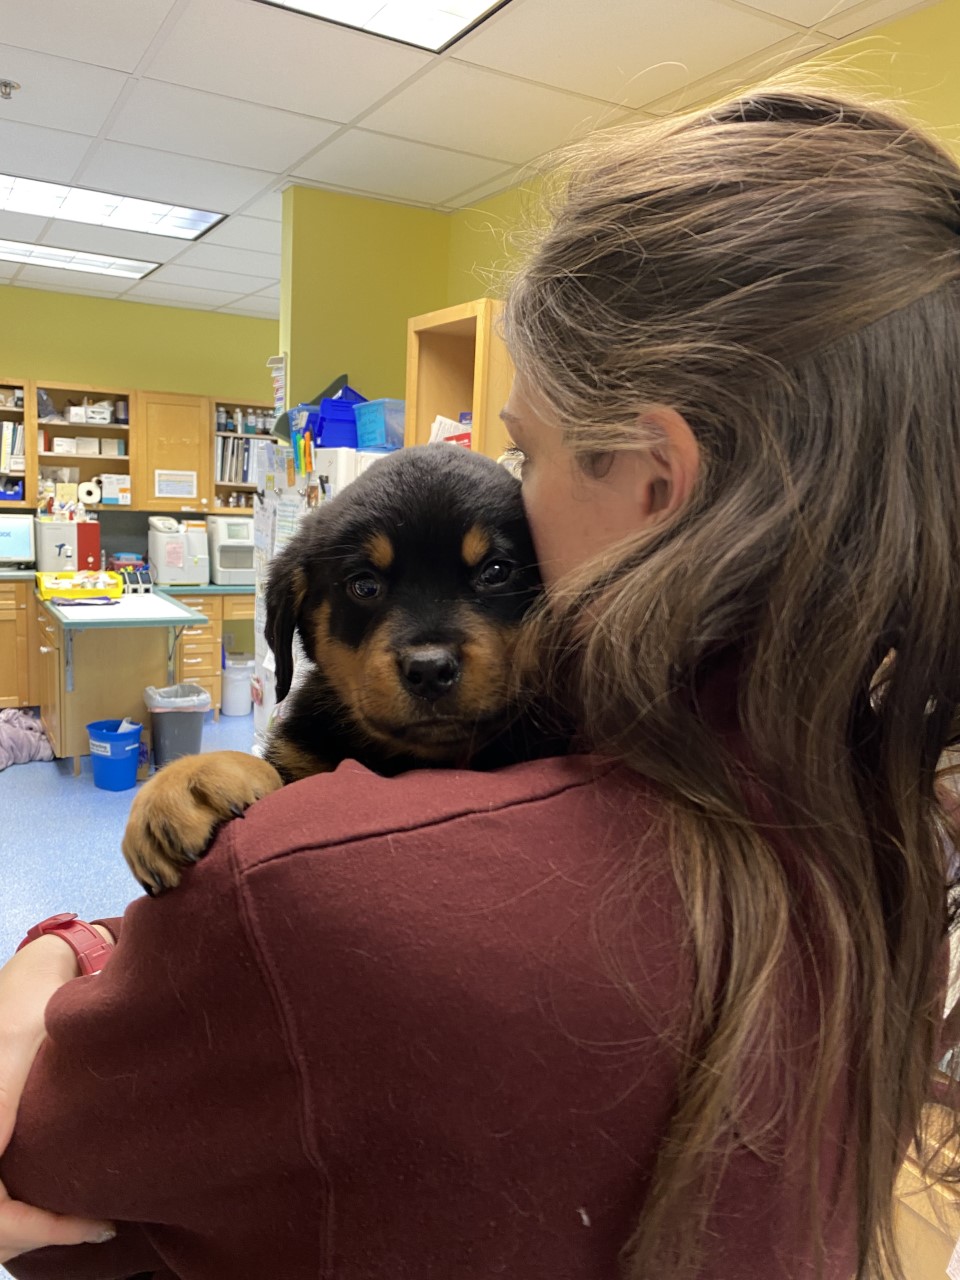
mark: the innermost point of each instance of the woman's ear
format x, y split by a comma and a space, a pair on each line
666, 473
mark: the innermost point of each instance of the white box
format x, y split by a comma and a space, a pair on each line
115, 490
76, 413
335, 469
64, 444
88, 445
100, 414
111, 447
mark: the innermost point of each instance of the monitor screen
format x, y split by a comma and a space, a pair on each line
16, 539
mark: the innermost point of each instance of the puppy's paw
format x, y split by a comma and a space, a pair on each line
175, 813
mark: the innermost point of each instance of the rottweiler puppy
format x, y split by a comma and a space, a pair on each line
407, 592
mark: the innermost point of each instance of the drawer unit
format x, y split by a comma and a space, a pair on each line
14, 656
199, 646
238, 608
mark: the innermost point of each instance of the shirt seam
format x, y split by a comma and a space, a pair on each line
295, 1060
314, 843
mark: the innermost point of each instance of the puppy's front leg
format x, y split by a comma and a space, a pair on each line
175, 813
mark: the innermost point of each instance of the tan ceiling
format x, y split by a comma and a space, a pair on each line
220, 104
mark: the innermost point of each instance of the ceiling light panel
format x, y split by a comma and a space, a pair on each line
100, 209
43, 255
428, 24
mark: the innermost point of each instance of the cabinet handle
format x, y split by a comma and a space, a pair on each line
193, 631
192, 662
45, 649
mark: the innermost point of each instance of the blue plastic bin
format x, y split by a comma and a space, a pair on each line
338, 425
114, 755
379, 424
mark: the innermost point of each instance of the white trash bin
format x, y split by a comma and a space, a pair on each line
237, 699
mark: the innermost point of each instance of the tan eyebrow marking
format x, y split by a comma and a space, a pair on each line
379, 548
476, 545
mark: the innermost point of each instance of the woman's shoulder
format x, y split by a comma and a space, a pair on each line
352, 804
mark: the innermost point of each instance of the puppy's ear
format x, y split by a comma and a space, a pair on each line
286, 592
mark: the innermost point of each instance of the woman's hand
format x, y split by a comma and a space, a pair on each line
27, 981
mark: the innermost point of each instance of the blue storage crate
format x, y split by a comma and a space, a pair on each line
337, 425
11, 490
379, 424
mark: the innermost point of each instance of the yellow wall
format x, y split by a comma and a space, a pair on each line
912, 61
483, 240
354, 271
105, 342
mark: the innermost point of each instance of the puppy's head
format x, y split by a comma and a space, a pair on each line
408, 591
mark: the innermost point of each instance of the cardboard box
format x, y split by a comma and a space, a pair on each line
88, 445
115, 490
64, 444
111, 447
76, 413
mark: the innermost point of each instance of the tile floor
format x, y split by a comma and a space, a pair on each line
60, 840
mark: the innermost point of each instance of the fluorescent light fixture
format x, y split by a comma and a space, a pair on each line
44, 255
74, 204
428, 24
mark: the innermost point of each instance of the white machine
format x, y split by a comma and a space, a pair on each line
231, 550
178, 552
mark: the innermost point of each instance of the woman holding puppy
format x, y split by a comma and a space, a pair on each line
667, 1009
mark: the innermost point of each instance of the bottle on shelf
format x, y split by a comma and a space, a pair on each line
221, 418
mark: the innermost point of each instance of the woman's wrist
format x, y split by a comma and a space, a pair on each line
57, 953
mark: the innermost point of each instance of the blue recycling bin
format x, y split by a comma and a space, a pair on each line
114, 755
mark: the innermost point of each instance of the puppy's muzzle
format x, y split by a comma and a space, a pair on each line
430, 671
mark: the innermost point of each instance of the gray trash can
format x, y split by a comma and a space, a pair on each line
176, 716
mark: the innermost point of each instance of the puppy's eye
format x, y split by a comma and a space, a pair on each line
364, 586
494, 573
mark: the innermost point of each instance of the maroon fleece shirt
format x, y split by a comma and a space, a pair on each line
373, 1037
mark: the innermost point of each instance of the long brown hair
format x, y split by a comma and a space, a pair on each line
783, 270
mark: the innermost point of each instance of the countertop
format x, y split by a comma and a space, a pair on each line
153, 609
211, 589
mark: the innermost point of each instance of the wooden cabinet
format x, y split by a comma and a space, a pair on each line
102, 448
925, 1223
172, 452
198, 650
18, 442
14, 659
457, 362
95, 674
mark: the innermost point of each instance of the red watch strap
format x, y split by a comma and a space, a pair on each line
92, 951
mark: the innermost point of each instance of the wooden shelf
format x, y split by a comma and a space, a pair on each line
9, 408
85, 457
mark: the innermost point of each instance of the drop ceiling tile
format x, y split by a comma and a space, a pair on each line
57, 93
619, 51
813, 13
281, 59
192, 123
241, 232
46, 154
219, 257
268, 207
737, 77
73, 281
468, 108
8, 270
395, 169
475, 195
852, 20
177, 295
200, 278
111, 240
25, 227
159, 175
272, 292
249, 307
117, 36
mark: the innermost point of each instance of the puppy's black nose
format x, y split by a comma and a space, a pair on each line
429, 672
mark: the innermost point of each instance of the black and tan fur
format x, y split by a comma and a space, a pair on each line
407, 593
